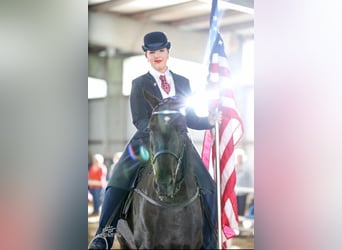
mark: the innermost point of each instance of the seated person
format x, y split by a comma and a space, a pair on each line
156, 48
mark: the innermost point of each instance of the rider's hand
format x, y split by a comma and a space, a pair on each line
215, 117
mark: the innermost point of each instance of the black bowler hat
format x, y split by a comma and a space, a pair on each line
155, 40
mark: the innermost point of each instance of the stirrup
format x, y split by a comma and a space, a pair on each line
102, 236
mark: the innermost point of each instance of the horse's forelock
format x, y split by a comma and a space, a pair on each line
170, 103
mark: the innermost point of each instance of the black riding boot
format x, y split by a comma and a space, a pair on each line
110, 213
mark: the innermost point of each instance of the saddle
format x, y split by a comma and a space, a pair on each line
128, 202
124, 232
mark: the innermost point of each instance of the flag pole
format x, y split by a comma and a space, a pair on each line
218, 186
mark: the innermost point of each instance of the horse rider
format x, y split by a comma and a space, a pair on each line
156, 49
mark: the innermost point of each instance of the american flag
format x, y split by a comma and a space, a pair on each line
230, 130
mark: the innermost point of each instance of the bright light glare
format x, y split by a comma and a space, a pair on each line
247, 69
97, 88
200, 101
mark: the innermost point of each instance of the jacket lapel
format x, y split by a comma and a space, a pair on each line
151, 85
178, 84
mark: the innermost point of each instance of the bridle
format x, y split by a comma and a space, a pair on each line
179, 159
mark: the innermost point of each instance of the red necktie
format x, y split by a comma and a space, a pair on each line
164, 84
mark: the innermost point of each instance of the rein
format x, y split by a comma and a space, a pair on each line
164, 204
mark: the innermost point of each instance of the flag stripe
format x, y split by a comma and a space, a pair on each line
230, 130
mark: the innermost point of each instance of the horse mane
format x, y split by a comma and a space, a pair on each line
187, 163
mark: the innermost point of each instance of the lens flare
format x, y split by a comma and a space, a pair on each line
142, 155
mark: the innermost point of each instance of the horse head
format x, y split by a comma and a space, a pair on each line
168, 130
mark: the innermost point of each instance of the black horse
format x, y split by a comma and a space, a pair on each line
166, 211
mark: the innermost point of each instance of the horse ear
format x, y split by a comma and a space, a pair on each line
152, 100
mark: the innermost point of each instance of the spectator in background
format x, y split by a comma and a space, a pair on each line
116, 158
97, 182
243, 180
90, 162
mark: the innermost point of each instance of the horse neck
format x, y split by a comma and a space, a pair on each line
188, 166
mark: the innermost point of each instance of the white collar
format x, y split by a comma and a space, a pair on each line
156, 74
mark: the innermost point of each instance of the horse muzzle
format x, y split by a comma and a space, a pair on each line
165, 190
